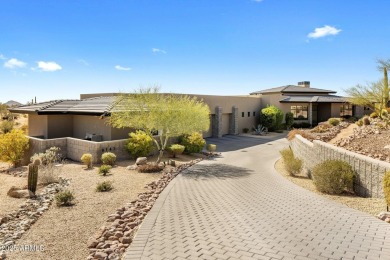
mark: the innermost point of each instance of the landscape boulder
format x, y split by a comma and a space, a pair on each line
141, 161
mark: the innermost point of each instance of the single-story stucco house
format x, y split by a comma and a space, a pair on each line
79, 126
308, 104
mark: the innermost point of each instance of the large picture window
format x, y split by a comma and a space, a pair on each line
346, 110
299, 112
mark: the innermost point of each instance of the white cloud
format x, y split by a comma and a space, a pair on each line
2, 57
323, 31
48, 66
14, 64
155, 50
258, 1
119, 67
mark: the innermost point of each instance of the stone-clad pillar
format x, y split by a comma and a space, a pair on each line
310, 108
233, 127
217, 124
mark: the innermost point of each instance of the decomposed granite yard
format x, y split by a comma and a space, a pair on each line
64, 231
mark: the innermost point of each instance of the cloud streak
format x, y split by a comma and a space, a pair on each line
323, 32
119, 67
14, 64
2, 57
48, 66
156, 50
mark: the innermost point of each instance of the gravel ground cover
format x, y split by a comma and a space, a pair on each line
64, 232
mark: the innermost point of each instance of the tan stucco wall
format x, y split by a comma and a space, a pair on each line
59, 126
90, 124
37, 125
120, 133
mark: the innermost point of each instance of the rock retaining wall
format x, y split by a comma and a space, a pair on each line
369, 172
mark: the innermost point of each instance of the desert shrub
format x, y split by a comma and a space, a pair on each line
50, 156
366, 120
193, 143
301, 125
104, 169
289, 120
64, 198
293, 165
271, 117
139, 144
176, 149
108, 158
386, 187
12, 146
359, 122
374, 115
104, 186
245, 130
333, 176
148, 168
211, 148
323, 128
334, 121
294, 132
6, 126
87, 160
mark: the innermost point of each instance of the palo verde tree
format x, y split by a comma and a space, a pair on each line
374, 95
12, 146
151, 111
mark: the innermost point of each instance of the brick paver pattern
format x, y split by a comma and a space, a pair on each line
238, 207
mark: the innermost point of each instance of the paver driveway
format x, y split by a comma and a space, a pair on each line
238, 207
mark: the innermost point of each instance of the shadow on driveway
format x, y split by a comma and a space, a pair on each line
216, 170
235, 142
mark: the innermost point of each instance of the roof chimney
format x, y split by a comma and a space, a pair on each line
304, 84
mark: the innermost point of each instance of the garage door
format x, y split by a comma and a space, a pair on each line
225, 123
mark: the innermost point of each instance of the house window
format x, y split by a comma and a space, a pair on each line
243, 114
249, 114
254, 113
299, 112
346, 110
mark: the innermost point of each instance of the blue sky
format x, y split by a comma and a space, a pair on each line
59, 49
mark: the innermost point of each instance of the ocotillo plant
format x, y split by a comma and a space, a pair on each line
385, 87
33, 177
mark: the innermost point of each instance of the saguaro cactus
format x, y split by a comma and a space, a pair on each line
33, 177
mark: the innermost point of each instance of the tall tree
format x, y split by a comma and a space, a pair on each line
170, 114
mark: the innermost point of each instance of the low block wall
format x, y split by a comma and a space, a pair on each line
369, 172
74, 148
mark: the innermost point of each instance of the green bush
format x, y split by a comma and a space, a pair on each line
293, 165
12, 146
374, 115
49, 157
359, 122
176, 149
386, 187
289, 120
87, 160
193, 143
64, 198
104, 169
334, 121
271, 117
140, 144
6, 126
149, 168
104, 186
108, 158
333, 177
